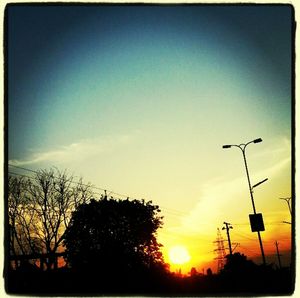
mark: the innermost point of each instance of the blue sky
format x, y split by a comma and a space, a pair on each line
69, 60
140, 100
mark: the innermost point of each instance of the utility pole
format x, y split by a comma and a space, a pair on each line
278, 255
228, 227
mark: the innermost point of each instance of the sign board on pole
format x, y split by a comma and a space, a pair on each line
256, 222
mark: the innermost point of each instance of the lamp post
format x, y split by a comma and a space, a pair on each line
242, 147
288, 202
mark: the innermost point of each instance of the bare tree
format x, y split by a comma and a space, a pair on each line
40, 210
20, 216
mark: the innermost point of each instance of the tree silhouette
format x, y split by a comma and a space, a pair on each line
238, 263
114, 235
40, 209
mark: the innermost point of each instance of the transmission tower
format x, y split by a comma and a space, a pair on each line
220, 250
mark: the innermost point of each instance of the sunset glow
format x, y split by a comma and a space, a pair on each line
139, 102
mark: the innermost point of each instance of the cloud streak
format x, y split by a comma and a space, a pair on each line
219, 199
77, 152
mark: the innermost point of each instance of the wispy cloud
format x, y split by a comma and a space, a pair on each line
222, 198
79, 151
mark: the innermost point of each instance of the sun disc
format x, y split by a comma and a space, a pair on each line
179, 254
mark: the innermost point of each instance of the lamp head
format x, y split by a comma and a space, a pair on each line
226, 146
259, 183
257, 140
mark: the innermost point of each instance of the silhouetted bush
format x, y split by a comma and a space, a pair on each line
115, 239
241, 275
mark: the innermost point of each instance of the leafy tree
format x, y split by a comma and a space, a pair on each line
114, 235
238, 263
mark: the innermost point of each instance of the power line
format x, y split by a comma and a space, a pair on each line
169, 211
185, 236
266, 223
242, 235
172, 212
22, 175
166, 210
246, 248
74, 182
25, 169
34, 178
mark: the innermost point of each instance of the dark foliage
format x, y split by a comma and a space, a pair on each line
241, 275
238, 264
234, 280
111, 249
64, 281
114, 237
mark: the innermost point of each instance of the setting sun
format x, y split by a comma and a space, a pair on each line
179, 255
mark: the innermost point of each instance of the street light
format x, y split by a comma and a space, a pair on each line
259, 183
242, 147
288, 202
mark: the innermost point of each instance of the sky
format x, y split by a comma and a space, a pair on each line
139, 100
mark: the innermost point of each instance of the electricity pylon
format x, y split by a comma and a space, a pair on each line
220, 250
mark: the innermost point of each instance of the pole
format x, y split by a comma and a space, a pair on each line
248, 178
242, 147
228, 226
252, 201
288, 202
278, 255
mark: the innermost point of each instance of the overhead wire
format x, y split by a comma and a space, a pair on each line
34, 178
169, 211
74, 182
172, 212
165, 210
